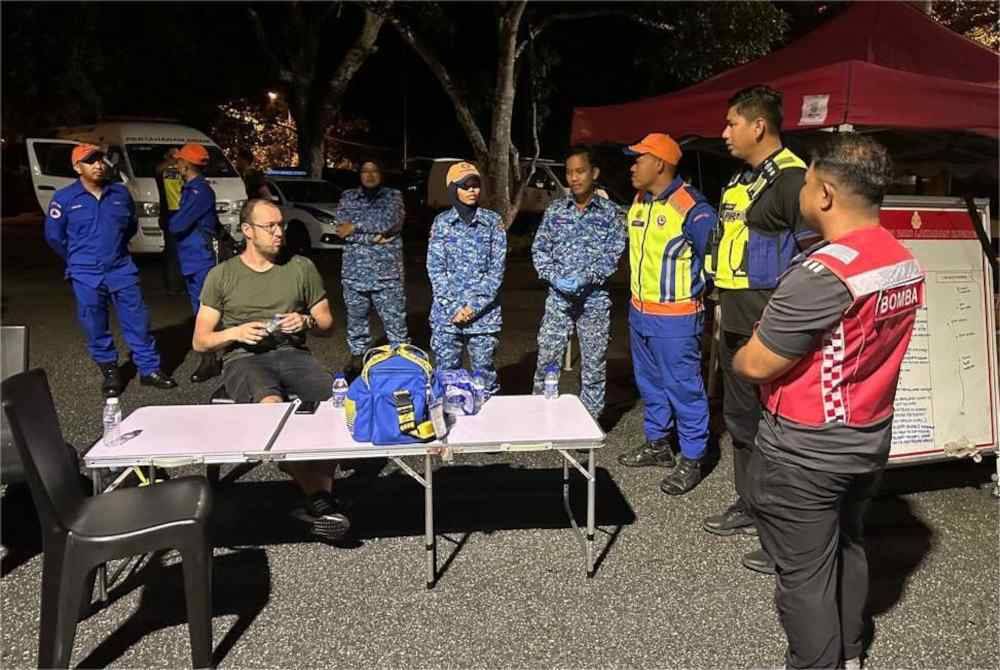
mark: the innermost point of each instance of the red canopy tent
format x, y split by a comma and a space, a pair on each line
878, 64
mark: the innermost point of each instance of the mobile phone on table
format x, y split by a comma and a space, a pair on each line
307, 407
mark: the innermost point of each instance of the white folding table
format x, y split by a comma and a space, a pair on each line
174, 435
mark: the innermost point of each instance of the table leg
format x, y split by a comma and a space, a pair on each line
430, 540
102, 570
591, 500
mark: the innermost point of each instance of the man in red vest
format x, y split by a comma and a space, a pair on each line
827, 354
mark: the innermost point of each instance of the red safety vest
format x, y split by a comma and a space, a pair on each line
851, 379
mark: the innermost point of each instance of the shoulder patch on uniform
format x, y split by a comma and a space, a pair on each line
681, 201
55, 210
842, 253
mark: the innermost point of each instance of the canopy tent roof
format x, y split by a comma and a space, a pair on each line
878, 64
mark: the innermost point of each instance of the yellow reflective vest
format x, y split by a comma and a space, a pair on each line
666, 276
742, 257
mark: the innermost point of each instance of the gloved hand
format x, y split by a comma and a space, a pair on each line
568, 285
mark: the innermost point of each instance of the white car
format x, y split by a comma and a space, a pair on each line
308, 207
135, 147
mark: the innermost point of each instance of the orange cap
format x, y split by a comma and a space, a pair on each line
660, 145
83, 152
193, 153
460, 171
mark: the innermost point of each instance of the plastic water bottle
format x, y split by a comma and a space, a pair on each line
339, 390
478, 390
112, 422
552, 381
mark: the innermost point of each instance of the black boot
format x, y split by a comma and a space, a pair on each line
353, 368
734, 521
759, 561
656, 453
158, 379
683, 478
207, 368
112, 386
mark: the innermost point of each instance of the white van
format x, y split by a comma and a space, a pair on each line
135, 147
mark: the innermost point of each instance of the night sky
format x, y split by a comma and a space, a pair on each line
180, 60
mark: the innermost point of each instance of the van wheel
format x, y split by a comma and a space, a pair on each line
297, 239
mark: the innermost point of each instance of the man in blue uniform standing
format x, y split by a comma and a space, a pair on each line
89, 224
576, 250
370, 219
466, 259
670, 225
194, 227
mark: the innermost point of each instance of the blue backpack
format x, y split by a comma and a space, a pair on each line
387, 403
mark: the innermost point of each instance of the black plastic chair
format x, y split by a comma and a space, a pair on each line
14, 353
79, 534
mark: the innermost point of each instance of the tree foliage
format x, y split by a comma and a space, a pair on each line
461, 42
979, 21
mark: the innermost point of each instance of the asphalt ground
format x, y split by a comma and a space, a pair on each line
512, 592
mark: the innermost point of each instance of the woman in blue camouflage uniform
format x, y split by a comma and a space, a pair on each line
465, 262
370, 219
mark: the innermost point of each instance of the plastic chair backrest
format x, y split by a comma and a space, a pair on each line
52, 476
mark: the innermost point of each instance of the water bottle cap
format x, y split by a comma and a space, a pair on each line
339, 375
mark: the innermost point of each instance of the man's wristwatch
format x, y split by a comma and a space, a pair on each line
310, 322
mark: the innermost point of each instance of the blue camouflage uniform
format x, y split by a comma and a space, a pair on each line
372, 273
465, 264
92, 236
587, 245
194, 226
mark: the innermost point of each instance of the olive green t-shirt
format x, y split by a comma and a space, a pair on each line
243, 295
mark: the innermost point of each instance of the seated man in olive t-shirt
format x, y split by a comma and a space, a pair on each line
256, 308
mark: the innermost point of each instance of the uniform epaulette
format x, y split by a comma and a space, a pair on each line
681, 201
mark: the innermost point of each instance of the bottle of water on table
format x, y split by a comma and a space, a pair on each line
112, 422
478, 390
552, 381
339, 390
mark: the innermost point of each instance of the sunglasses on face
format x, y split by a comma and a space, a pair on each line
469, 185
95, 158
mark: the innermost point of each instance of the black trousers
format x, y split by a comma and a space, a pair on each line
740, 409
812, 525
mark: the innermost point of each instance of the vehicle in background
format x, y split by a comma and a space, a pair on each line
308, 206
134, 147
543, 188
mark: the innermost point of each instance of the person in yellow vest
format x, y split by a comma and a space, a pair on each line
754, 243
169, 183
669, 229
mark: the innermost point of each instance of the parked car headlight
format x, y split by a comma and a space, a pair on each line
148, 208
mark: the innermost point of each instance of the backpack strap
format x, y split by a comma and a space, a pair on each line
407, 417
373, 357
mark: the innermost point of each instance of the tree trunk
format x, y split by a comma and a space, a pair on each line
306, 108
500, 187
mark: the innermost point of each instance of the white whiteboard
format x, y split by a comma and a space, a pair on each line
946, 399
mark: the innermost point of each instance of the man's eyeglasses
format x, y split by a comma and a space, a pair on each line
272, 228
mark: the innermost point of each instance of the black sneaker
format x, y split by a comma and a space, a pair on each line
683, 478
327, 523
734, 521
656, 453
112, 386
759, 561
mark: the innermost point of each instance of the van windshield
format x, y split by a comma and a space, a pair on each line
145, 157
